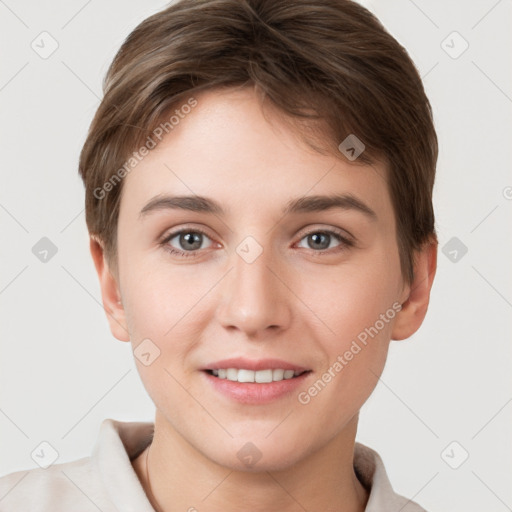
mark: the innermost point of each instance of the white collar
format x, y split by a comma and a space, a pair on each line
118, 443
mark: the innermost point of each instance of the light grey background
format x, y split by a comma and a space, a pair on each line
62, 372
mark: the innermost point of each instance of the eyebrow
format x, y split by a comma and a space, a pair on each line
305, 204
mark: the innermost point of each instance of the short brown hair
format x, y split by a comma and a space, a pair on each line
328, 62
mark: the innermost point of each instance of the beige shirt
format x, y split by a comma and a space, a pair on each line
107, 482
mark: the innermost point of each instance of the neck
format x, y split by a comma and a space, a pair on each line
181, 478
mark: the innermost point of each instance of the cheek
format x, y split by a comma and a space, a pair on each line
350, 300
168, 306
160, 297
359, 316
162, 311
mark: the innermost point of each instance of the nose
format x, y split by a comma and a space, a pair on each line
254, 299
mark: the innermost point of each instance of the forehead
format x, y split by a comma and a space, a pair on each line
227, 147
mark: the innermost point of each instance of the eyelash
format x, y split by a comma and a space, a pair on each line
345, 243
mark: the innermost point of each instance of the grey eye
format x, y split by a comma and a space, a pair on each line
319, 240
188, 240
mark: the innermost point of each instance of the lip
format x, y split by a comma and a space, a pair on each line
250, 364
255, 393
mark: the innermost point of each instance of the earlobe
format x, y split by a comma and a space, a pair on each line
110, 293
414, 308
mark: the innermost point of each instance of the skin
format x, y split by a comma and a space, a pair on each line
295, 302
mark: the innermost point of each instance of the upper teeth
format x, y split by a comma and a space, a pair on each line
261, 376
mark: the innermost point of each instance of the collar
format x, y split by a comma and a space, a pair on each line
118, 443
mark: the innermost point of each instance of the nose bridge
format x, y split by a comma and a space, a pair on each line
253, 299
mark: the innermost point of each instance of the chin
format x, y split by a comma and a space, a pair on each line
260, 455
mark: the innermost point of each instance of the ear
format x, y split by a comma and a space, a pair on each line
110, 293
417, 294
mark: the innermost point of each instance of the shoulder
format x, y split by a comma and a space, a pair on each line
371, 472
103, 481
61, 487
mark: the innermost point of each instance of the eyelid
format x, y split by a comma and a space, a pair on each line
302, 233
169, 234
344, 238
342, 233
344, 243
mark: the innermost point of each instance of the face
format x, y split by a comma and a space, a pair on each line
279, 259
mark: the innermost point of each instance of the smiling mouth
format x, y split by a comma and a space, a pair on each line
257, 376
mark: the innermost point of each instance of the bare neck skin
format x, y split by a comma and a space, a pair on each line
184, 479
